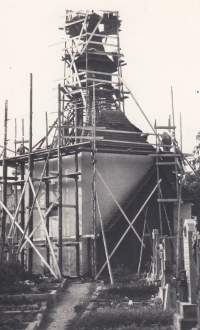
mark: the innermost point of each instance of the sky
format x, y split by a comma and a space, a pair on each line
160, 41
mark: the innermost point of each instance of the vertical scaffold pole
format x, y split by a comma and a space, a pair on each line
15, 187
77, 219
180, 132
30, 168
4, 177
94, 270
47, 193
59, 184
22, 169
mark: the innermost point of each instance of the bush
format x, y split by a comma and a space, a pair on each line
10, 273
122, 274
126, 319
135, 327
132, 290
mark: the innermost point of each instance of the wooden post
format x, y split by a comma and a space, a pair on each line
141, 250
22, 208
94, 270
15, 187
105, 244
47, 192
59, 184
173, 120
178, 246
158, 177
4, 179
180, 132
30, 168
77, 219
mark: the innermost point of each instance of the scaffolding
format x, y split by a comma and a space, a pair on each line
92, 83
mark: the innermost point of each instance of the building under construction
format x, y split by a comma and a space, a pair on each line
87, 196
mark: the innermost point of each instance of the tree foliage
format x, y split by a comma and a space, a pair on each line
192, 183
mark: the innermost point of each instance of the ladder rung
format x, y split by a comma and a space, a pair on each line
165, 127
166, 163
169, 200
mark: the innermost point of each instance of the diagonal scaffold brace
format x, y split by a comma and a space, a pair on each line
102, 268
125, 216
28, 239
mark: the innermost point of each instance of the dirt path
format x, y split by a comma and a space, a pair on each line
74, 299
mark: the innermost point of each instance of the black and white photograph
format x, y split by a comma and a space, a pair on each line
100, 165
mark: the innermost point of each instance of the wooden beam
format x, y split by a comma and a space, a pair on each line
45, 229
30, 242
91, 35
132, 222
4, 188
30, 168
59, 183
77, 217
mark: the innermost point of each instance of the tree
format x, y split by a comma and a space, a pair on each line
191, 182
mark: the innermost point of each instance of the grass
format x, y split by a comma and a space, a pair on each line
125, 319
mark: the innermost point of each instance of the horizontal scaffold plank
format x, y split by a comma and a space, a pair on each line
10, 178
45, 178
165, 155
67, 175
103, 81
164, 127
105, 53
166, 163
103, 34
98, 72
21, 141
168, 200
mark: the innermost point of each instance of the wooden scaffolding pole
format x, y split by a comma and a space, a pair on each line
77, 218
15, 187
22, 208
181, 134
17, 207
143, 235
126, 231
4, 177
28, 239
120, 208
45, 229
94, 266
59, 184
38, 225
30, 169
158, 177
47, 192
105, 244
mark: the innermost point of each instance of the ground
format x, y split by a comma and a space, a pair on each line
71, 303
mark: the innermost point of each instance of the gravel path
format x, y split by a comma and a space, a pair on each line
63, 311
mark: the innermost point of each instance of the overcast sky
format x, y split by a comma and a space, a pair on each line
160, 41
